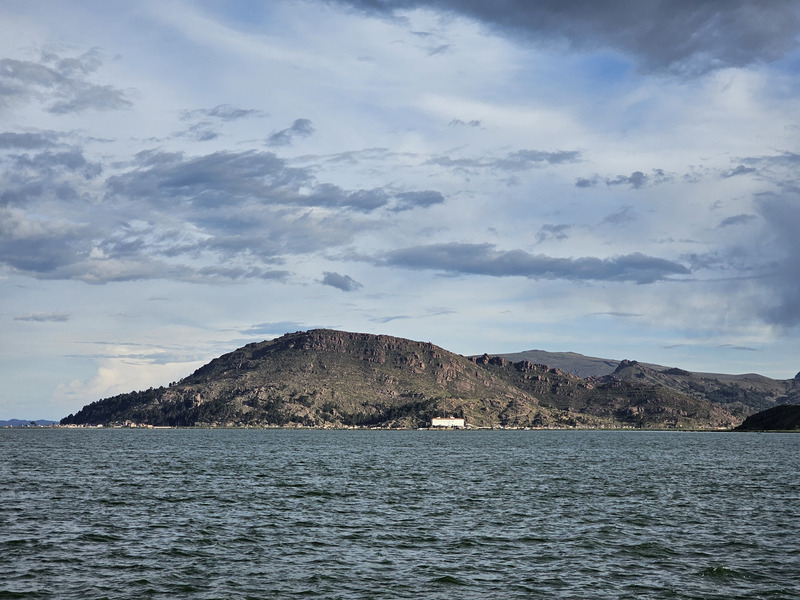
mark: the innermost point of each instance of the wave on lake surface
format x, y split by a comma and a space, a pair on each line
398, 514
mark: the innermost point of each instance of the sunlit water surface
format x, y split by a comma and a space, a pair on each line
398, 514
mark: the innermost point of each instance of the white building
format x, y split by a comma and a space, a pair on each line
447, 422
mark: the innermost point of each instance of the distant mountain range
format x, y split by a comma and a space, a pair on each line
26, 423
326, 378
577, 364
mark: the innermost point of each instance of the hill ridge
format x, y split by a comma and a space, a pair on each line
332, 378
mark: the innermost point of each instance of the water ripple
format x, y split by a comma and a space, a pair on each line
369, 514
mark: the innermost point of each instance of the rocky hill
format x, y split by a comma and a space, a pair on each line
626, 402
571, 362
740, 394
785, 417
325, 378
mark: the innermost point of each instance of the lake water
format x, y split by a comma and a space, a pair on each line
398, 514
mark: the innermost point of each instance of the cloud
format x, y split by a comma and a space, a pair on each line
518, 160
231, 178
201, 132
636, 180
91, 97
781, 214
525, 159
661, 36
61, 82
737, 220
32, 245
301, 128
341, 282
483, 259
220, 217
440, 49
739, 170
45, 317
27, 141
423, 199
46, 163
460, 123
224, 112
739, 348
786, 160
31, 178
623, 216
583, 182
222, 272
391, 318
553, 232
119, 375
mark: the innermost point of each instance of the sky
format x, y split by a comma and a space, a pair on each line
178, 179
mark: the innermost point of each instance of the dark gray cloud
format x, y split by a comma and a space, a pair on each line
210, 179
484, 259
223, 272
740, 348
781, 214
230, 178
91, 97
27, 141
45, 317
636, 180
737, 220
201, 132
525, 159
341, 282
583, 182
780, 168
32, 177
224, 112
459, 122
220, 217
46, 163
301, 128
553, 232
62, 83
36, 245
665, 36
739, 170
519, 160
423, 199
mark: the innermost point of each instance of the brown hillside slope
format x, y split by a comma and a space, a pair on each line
326, 378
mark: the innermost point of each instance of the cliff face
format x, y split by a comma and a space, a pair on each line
325, 378
627, 403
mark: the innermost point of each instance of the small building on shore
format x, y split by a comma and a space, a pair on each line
448, 422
